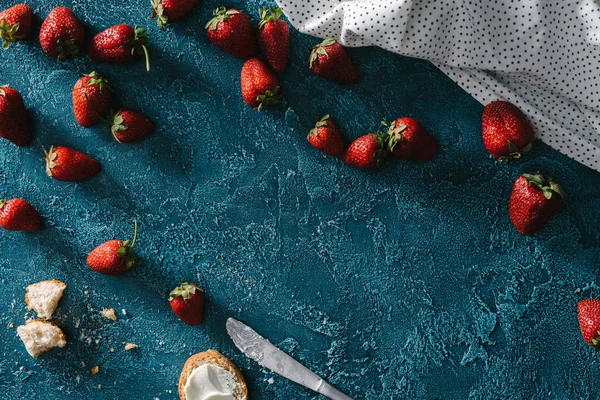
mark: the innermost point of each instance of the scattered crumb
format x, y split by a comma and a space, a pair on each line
123, 312
131, 346
271, 381
78, 378
110, 313
83, 364
99, 386
86, 292
11, 325
169, 391
95, 369
112, 350
157, 398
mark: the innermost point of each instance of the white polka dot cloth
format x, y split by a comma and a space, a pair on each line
541, 55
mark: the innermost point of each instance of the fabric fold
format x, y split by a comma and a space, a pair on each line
541, 55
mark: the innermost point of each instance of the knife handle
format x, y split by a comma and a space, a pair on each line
332, 393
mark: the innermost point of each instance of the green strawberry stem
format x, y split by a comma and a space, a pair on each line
219, 15
158, 12
265, 17
320, 49
514, 152
117, 125
147, 57
8, 33
140, 41
547, 185
66, 49
185, 290
321, 122
126, 249
269, 98
49, 160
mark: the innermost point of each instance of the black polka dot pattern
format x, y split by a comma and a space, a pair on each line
541, 55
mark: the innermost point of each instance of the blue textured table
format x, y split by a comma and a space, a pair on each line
409, 282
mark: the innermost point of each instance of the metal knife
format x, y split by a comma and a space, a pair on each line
266, 354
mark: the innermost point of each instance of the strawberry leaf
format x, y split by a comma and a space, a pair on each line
221, 14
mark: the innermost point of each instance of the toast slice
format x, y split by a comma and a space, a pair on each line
39, 336
213, 357
43, 297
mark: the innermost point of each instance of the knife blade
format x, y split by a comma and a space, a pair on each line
269, 356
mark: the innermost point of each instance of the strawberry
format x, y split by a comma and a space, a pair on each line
273, 38
129, 126
62, 34
92, 99
169, 11
410, 141
588, 315
120, 44
506, 132
19, 215
330, 60
260, 86
325, 136
15, 24
14, 124
114, 257
187, 302
65, 164
368, 152
533, 201
231, 31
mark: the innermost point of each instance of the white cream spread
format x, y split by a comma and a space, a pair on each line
210, 382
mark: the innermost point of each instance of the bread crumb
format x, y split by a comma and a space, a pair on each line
110, 313
78, 378
112, 350
11, 325
131, 346
99, 386
123, 312
95, 369
86, 292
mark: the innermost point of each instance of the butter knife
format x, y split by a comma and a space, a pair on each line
266, 354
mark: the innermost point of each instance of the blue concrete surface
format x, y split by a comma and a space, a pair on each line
409, 282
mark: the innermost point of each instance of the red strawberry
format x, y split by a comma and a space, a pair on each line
65, 164
260, 86
169, 11
114, 257
534, 199
62, 34
231, 31
129, 126
120, 44
187, 302
410, 141
274, 38
92, 99
19, 215
588, 314
368, 152
14, 124
506, 132
15, 24
330, 60
326, 137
